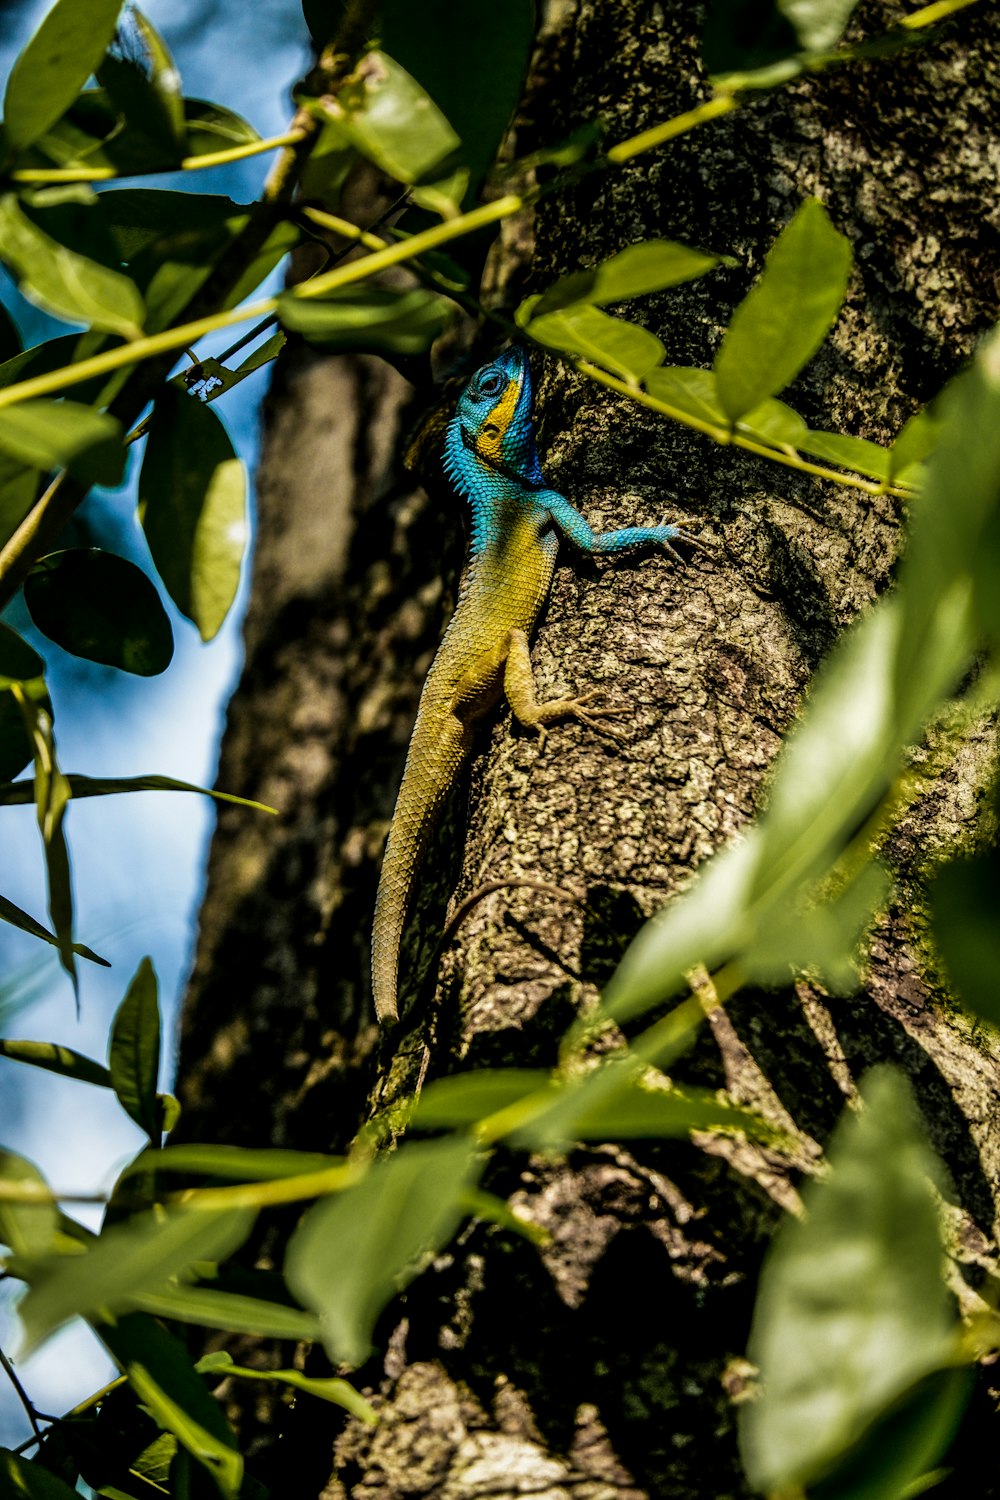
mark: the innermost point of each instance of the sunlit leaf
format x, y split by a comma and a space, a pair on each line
55, 1058
848, 452
624, 348
818, 23
351, 1253
915, 443
136, 1255
374, 319
18, 793
237, 1163
97, 605
160, 1372
693, 391
784, 318
134, 1056
192, 504
55, 64
64, 435
64, 283
852, 1305
465, 1098
391, 120
818, 936
897, 1456
633, 272
27, 1229
209, 1308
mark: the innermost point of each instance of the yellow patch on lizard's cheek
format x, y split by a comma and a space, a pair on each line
493, 430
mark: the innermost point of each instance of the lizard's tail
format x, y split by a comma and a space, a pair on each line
430, 771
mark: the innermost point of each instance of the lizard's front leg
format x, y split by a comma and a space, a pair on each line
519, 685
577, 529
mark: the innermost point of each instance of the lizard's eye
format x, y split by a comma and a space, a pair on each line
492, 383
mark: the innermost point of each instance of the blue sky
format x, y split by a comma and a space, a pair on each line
138, 861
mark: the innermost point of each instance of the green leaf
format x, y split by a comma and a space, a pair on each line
160, 1372
21, 1480
639, 269
10, 339
55, 1058
848, 453
374, 319
209, 1308
470, 59
51, 796
819, 936
350, 1254
19, 662
583, 1112
18, 488
134, 1056
99, 606
216, 379
852, 1305
133, 1256
869, 700
137, 218
785, 316
693, 391
55, 64
28, 1229
18, 918
818, 23
963, 899
915, 443
741, 35
392, 121
212, 127
18, 793
64, 435
466, 1098
623, 348
895, 1456
63, 283
192, 505
148, 90
40, 359
237, 1163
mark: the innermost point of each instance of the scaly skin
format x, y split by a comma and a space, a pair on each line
490, 459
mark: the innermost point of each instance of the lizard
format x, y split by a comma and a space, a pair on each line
490, 460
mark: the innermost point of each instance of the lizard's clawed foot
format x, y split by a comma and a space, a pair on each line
682, 533
580, 709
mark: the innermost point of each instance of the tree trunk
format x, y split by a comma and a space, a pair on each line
604, 1365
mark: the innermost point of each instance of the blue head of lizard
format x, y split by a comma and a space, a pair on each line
490, 446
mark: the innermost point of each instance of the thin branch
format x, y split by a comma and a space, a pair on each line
22, 1395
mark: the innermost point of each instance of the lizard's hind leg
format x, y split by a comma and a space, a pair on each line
519, 686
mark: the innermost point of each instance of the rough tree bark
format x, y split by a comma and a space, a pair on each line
603, 1367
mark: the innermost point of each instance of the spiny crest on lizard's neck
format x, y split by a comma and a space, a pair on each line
489, 447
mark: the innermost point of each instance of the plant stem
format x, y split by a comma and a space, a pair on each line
22, 1394
737, 440
187, 164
